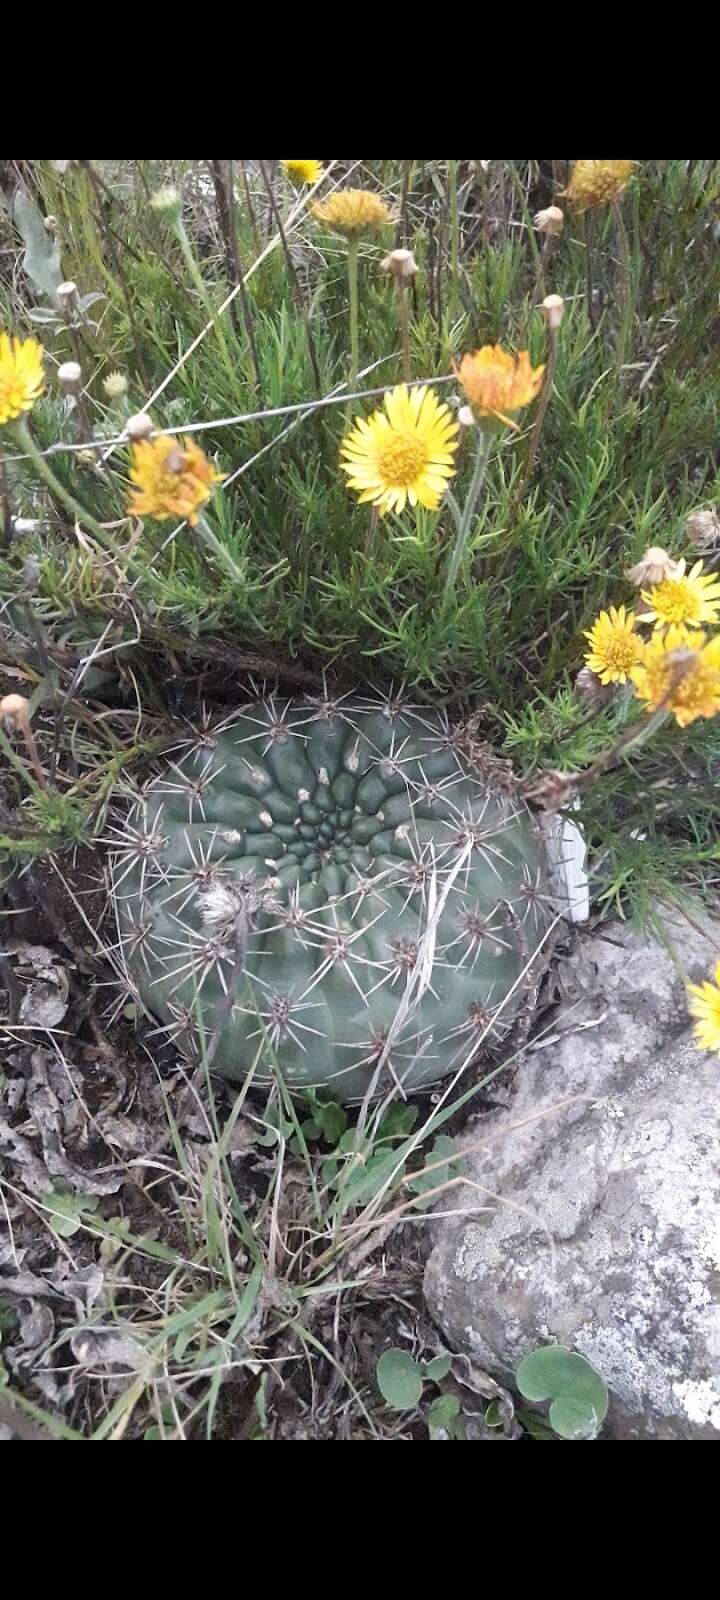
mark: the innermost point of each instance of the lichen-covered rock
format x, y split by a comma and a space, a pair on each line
605, 1235
332, 887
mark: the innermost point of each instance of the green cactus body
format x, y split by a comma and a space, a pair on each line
330, 887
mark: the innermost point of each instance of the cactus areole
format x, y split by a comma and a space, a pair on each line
330, 889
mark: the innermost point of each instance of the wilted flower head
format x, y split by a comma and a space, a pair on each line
14, 712
495, 382
679, 671
67, 295
115, 385
172, 479
352, 212
550, 221
590, 688
687, 599
654, 566
405, 452
553, 308
401, 263
703, 529
21, 376
139, 426
70, 375
597, 183
303, 172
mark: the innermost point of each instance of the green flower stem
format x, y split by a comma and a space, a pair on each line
352, 265
219, 550
464, 522
28, 445
543, 404
452, 172
19, 765
401, 287
628, 306
200, 285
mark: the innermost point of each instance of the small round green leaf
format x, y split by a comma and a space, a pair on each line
399, 1379
438, 1368
443, 1412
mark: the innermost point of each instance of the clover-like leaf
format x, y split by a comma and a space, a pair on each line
576, 1392
399, 1379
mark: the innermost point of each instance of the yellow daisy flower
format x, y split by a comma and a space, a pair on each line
495, 382
406, 452
352, 212
303, 172
597, 183
686, 598
614, 645
172, 480
21, 376
704, 1004
679, 671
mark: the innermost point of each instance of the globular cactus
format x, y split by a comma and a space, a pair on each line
331, 889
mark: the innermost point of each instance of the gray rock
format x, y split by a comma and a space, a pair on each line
594, 1220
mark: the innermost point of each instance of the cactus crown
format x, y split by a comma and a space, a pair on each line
326, 885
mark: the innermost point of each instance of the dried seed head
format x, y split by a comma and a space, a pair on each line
67, 295
14, 712
140, 426
551, 221
553, 308
401, 263
589, 688
654, 567
703, 529
51, 224
115, 385
70, 376
168, 203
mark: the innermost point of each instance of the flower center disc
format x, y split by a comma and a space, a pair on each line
401, 458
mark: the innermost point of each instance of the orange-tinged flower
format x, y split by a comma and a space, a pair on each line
352, 212
21, 376
614, 645
496, 382
172, 479
597, 183
705, 1006
679, 671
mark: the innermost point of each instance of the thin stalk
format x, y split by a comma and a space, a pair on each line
452, 173
543, 404
589, 295
27, 443
485, 443
199, 282
628, 308
220, 551
352, 266
404, 321
524, 207
257, 241
297, 291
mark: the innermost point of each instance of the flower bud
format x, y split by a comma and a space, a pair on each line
51, 224
702, 528
553, 308
401, 263
551, 221
14, 712
656, 565
140, 426
70, 376
168, 203
466, 417
115, 385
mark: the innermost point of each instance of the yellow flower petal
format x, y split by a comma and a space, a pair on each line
404, 452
